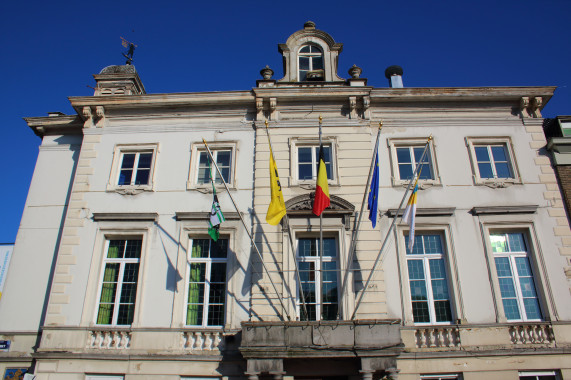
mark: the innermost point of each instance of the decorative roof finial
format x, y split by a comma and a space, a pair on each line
129, 53
309, 25
267, 73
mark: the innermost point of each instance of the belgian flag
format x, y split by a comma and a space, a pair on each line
321, 201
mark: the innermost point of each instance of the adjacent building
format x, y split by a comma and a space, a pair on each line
126, 282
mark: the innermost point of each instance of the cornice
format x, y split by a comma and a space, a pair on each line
461, 93
45, 125
163, 100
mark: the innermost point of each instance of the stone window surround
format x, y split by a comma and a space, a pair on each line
394, 143
195, 149
471, 142
439, 225
535, 255
118, 152
193, 225
115, 229
295, 142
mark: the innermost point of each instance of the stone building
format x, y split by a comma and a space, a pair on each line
114, 233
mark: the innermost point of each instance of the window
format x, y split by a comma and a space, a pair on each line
310, 61
406, 155
492, 161
538, 375
223, 160
206, 299
305, 160
515, 276
224, 156
133, 168
428, 280
319, 278
119, 282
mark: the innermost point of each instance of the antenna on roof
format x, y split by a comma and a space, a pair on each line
129, 53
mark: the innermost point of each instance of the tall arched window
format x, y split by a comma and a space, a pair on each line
310, 61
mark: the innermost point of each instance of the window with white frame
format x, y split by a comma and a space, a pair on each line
319, 278
406, 156
515, 276
305, 160
310, 60
454, 376
133, 167
206, 300
223, 154
492, 160
119, 281
538, 375
428, 280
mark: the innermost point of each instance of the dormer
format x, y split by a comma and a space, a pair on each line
310, 55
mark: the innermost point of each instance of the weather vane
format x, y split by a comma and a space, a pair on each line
129, 53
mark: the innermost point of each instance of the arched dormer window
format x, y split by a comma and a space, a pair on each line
311, 64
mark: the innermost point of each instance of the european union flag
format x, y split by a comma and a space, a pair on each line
373, 205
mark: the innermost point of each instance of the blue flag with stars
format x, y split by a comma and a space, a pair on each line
373, 205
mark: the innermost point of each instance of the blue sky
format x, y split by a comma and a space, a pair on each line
50, 50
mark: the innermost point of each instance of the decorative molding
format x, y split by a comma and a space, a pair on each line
490, 210
202, 216
125, 216
426, 211
302, 206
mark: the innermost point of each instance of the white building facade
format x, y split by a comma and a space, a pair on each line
129, 285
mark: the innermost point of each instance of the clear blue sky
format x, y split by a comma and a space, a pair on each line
50, 49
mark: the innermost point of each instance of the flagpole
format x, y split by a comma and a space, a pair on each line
320, 235
287, 225
353, 245
416, 172
247, 231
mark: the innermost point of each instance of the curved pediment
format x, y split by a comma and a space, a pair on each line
304, 203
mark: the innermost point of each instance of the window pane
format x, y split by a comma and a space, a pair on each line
415, 270
442, 311
403, 155
420, 312
527, 287
503, 267
418, 290
128, 161
305, 49
131, 272
200, 248
125, 177
432, 243
522, 265
317, 63
142, 177
507, 287
126, 313
145, 161
517, 242
499, 153
304, 155
329, 312
305, 171
511, 309
194, 314
219, 249
329, 249
304, 63
116, 248
482, 154
532, 310
133, 249
223, 158
105, 314
485, 170
307, 247
327, 158
503, 170
498, 243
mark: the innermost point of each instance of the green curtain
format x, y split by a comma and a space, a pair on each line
108, 289
194, 308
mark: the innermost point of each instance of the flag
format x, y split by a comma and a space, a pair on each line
410, 214
277, 208
373, 205
321, 201
216, 218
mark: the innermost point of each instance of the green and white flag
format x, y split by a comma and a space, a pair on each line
216, 216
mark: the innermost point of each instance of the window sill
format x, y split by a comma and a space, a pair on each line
207, 189
496, 183
423, 184
311, 185
129, 190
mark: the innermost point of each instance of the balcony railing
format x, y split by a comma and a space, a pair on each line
109, 339
446, 336
202, 340
532, 333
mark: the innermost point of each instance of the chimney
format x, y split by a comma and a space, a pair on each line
394, 75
